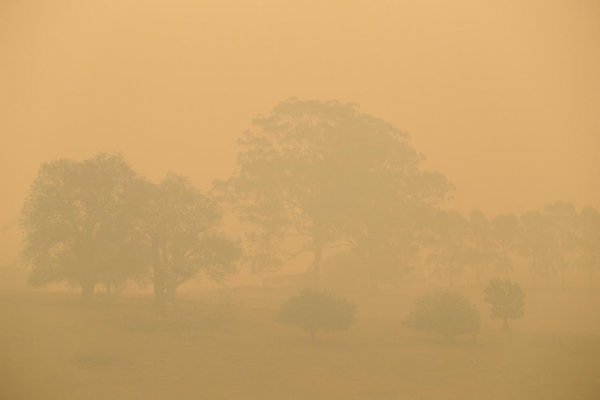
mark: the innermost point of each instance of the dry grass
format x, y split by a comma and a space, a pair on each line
211, 347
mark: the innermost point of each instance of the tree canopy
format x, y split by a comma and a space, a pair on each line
185, 238
321, 172
78, 223
506, 298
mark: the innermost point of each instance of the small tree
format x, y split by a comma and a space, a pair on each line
445, 313
506, 298
314, 311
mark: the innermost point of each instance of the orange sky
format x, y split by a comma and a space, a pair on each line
502, 98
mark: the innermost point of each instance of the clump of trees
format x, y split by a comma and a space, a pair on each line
506, 298
545, 245
446, 313
313, 178
314, 311
97, 222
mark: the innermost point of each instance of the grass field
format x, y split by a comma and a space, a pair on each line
227, 345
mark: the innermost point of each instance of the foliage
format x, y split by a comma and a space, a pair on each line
505, 231
447, 244
312, 173
445, 313
185, 238
506, 298
314, 311
551, 239
78, 224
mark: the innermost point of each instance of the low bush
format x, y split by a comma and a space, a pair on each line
314, 311
445, 313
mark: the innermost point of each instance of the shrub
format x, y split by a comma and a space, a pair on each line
445, 313
506, 298
314, 311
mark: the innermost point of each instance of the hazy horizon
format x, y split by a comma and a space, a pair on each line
495, 90
330, 261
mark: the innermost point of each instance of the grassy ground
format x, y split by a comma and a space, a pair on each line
228, 346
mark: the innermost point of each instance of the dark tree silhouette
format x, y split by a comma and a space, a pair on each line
79, 227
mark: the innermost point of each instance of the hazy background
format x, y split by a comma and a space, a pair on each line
503, 99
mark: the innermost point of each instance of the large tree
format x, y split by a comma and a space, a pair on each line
313, 173
79, 224
183, 226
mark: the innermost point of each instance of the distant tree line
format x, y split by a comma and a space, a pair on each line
545, 244
312, 178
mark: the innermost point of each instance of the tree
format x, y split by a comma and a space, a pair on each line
314, 311
311, 174
505, 232
182, 224
446, 313
454, 243
482, 251
552, 238
539, 244
79, 226
448, 250
506, 298
589, 241
563, 217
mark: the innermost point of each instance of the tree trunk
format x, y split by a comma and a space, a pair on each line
318, 262
159, 276
505, 325
159, 291
170, 292
87, 291
112, 289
